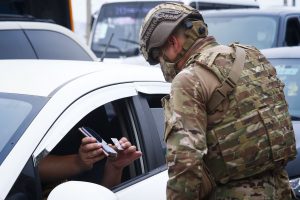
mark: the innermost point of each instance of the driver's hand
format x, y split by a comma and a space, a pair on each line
90, 152
126, 156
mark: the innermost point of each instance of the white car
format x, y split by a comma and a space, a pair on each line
42, 103
41, 40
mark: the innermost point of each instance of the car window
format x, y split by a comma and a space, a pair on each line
54, 45
27, 185
288, 71
121, 22
15, 45
258, 31
292, 36
154, 102
114, 112
109, 121
16, 113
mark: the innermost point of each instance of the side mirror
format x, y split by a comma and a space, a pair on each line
78, 190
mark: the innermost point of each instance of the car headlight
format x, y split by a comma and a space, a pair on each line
295, 185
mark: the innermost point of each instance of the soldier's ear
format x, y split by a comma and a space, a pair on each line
174, 41
171, 40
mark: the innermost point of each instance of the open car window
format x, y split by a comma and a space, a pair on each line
125, 110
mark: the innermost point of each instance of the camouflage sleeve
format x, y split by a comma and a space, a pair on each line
185, 136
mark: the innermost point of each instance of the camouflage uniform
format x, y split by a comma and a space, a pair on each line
227, 127
193, 149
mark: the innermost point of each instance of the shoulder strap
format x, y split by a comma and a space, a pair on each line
230, 82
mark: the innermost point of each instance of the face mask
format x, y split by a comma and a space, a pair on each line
168, 69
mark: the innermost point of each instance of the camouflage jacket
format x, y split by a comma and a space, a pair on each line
187, 123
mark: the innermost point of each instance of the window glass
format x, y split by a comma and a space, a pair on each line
54, 45
292, 36
108, 121
288, 71
16, 113
258, 31
122, 22
15, 45
157, 111
12, 114
158, 116
27, 185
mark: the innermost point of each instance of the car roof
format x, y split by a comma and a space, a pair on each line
45, 77
22, 25
282, 52
272, 11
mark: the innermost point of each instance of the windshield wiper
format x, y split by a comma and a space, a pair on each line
106, 46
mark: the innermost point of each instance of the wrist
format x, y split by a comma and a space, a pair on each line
110, 164
82, 165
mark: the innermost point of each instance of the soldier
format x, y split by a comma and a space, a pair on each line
228, 131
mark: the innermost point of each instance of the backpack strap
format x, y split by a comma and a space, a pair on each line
230, 82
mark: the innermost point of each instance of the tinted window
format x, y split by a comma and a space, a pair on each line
157, 112
54, 45
292, 37
15, 45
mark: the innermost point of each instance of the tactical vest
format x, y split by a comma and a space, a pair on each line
255, 134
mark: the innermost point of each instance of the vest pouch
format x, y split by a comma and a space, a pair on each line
280, 131
251, 144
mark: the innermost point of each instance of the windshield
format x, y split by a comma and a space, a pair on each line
16, 113
122, 22
288, 71
258, 31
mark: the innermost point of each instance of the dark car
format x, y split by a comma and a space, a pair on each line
287, 63
262, 28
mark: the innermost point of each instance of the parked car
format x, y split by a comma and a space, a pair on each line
262, 28
42, 100
287, 63
41, 40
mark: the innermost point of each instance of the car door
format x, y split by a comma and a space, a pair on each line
126, 113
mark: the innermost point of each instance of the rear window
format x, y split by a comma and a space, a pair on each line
54, 45
15, 45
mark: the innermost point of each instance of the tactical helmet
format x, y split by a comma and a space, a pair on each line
159, 24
